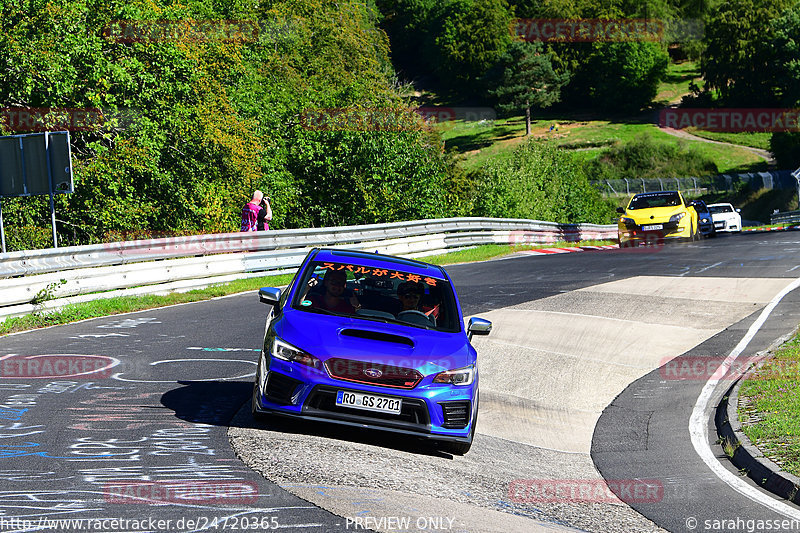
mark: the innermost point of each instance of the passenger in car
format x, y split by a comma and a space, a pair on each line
333, 298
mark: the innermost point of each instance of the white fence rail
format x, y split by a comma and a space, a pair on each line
183, 263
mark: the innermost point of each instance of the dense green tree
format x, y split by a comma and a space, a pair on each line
737, 38
786, 68
619, 76
528, 80
208, 117
465, 39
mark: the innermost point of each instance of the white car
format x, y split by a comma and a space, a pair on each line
725, 217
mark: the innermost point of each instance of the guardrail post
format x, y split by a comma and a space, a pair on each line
2, 229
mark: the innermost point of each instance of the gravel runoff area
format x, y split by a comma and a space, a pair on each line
354, 473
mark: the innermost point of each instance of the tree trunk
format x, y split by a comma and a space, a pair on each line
527, 118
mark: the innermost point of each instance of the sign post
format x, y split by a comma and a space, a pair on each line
34, 164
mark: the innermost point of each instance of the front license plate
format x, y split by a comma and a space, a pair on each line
653, 227
369, 402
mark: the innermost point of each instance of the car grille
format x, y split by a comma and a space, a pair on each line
413, 413
280, 388
372, 373
456, 414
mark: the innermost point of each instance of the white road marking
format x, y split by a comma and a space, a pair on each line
698, 423
119, 377
709, 267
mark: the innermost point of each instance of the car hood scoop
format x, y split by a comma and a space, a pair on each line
377, 336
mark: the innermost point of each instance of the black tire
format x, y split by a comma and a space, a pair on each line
257, 415
695, 235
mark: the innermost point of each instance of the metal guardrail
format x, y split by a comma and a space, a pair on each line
787, 217
81, 273
776, 179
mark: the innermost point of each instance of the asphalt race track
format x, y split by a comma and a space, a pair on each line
141, 422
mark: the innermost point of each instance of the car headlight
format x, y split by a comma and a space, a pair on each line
677, 217
627, 221
459, 376
285, 351
704, 220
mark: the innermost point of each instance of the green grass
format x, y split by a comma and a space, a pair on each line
676, 83
758, 139
489, 251
126, 304
477, 143
773, 396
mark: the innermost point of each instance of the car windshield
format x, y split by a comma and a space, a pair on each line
646, 201
377, 294
720, 209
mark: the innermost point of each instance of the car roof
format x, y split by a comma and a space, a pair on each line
377, 260
721, 203
656, 193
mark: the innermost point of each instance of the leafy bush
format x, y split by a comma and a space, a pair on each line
642, 157
540, 182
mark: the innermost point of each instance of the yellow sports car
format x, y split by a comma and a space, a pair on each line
652, 217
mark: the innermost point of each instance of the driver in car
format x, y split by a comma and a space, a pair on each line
410, 294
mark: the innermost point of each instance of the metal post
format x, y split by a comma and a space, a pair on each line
627, 187
796, 176
644, 188
2, 229
50, 182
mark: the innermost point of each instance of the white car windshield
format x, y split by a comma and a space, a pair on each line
716, 209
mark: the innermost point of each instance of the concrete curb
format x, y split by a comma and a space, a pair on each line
746, 456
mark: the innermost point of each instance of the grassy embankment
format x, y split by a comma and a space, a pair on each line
586, 136
769, 407
127, 304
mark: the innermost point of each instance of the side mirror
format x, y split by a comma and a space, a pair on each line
269, 295
478, 326
621, 210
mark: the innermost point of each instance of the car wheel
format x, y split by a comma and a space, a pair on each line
254, 400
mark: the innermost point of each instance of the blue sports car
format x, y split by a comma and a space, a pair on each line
371, 340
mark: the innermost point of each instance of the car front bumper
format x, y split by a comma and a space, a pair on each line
441, 412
